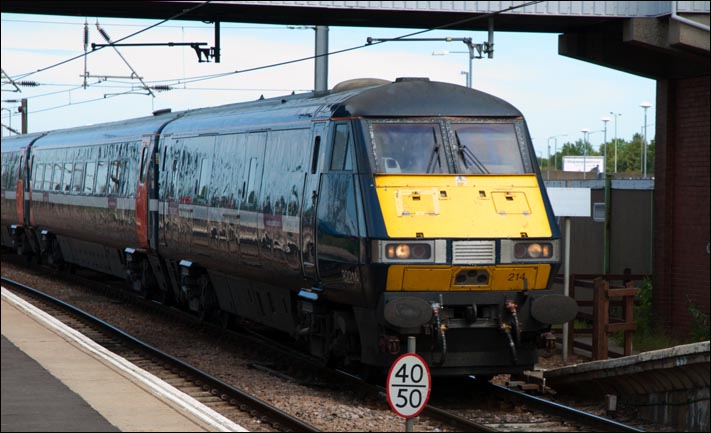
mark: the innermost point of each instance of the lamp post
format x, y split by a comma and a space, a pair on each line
471, 58
585, 132
467, 77
555, 154
645, 105
604, 142
615, 114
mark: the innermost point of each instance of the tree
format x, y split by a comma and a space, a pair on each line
630, 160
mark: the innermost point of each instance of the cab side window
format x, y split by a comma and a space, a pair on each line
341, 158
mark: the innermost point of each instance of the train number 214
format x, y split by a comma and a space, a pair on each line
517, 276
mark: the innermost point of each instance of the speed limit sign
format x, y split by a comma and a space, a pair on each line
409, 385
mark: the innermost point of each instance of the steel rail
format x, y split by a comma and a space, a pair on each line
572, 414
277, 416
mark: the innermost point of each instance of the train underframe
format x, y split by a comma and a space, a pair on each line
456, 333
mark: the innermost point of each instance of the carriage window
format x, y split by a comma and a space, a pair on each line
67, 176
47, 181
90, 175
342, 148
205, 175
78, 177
57, 176
102, 171
116, 177
143, 163
38, 174
484, 148
408, 148
251, 181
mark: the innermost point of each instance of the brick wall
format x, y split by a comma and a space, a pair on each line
682, 265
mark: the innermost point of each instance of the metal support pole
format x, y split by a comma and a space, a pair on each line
321, 62
411, 348
23, 106
566, 285
615, 114
607, 231
216, 48
644, 146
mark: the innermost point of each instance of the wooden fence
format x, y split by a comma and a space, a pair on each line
602, 324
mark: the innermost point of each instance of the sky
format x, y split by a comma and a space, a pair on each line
559, 96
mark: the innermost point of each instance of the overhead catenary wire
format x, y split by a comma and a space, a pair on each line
173, 83
178, 15
357, 47
108, 39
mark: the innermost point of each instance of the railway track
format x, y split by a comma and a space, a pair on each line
214, 393
544, 415
567, 414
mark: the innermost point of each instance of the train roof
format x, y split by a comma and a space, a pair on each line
356, 98
119, 131
16, 142
422, 97
375, 98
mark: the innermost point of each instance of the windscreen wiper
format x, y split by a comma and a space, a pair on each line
435, 152
466, 152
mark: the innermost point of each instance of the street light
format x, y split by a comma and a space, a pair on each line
604, 143
645, 105
585, 132
471, 58
555, 155
615, 114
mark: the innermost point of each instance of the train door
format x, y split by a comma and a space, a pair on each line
251, 217
166, 187
20, 188
204, 149
310, 201
142, 200
337, 215
27, 197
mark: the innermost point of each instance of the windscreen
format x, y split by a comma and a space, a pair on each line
487, 148
408, 148
448, 146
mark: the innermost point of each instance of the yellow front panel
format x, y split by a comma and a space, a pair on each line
451, 206
424, 278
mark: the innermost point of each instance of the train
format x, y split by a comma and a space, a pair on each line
349, 219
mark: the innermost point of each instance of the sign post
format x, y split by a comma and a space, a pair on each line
568, 202
409, 385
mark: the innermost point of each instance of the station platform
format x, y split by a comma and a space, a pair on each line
52, 380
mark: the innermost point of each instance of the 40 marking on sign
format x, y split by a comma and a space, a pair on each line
409, 384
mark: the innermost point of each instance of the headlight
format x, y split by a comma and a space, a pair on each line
408, 251
524, 251
434, 251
